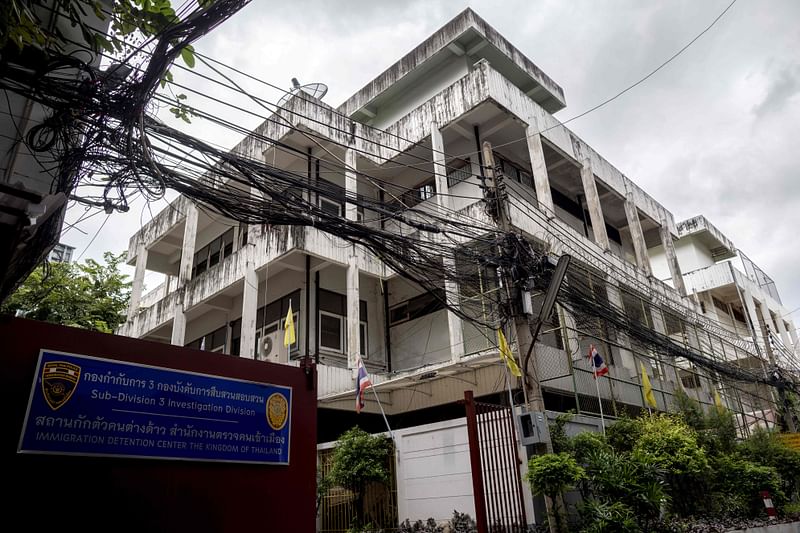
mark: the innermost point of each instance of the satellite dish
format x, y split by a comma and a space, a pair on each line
314, 90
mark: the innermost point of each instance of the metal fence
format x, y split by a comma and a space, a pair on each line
337, 508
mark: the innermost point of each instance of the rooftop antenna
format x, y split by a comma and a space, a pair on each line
314, 90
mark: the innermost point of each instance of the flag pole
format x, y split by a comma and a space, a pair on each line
380, 406
599, 400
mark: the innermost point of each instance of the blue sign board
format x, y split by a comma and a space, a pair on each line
83, 405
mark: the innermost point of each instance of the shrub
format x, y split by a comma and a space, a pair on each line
586, 443
462, 523
558, 433
359, 459
554, 473
604, 517
623, 434
551, 475
763, 448
617, 477
669, 445
744, 480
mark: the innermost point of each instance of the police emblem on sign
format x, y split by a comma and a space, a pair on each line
277, 411
59, 381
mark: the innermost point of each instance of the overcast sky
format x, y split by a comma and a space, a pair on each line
717, 132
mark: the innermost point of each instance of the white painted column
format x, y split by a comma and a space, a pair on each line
539, 168
184, 275
351, 183
628, 361
454, 325
352, 336
637, 235
187, 251
167, 283
750, 304
247, 341
767, 317
672, 258
793, 336
353, 319
787, 341
138, 278
593, 202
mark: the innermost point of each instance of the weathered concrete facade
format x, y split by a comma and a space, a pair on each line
231, 286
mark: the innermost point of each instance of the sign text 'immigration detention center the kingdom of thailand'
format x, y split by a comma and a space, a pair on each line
83, 405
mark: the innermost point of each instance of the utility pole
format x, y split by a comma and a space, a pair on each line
779, 381
495, 195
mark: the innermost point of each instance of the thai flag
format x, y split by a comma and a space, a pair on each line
361, 385
599, 367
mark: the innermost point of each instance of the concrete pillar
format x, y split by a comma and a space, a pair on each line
169, 284
179, 323
247, 341
187, 251
672, 258
793, 336
637, 235
439, 169
351, 183
767, 317
184, 275
539, 169
659, 325
750, 304
593, 202
454, 324
138, 278
708, 302
455, 331
353, 314
628, 361
787, 341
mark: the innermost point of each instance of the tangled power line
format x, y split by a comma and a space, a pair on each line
103, 144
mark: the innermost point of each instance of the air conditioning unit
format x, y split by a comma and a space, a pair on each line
271, 348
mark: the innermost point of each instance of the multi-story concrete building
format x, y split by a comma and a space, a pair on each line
61, 253
229, 286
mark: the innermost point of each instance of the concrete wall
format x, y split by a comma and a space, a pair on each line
692, 254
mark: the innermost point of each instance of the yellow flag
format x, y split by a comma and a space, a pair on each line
506, 355
288, 333
649, 397
718, 401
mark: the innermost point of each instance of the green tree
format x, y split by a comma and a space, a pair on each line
90, 295
359, 459
551, 475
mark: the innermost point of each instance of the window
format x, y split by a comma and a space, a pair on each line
211, 342
331, 197
362, 340
426, 191
417, 307
331, 207
271, 322
331, 332
332, 319
462, 172
690, 381
213, 253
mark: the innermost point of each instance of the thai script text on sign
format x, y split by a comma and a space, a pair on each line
85, 405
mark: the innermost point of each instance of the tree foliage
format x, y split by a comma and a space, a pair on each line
90, 295
358, 460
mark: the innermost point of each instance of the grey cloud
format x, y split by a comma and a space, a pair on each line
782, 88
